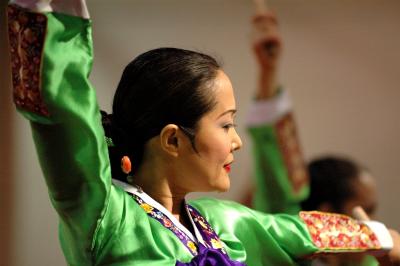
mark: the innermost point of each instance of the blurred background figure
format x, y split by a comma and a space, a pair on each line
283, 183
338, 184
279, 170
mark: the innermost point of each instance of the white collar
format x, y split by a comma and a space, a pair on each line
149, 200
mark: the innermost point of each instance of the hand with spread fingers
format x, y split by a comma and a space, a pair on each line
267, 47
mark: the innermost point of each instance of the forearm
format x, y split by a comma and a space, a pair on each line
282, 239
51, 57
280, 174
313, 234
267, 86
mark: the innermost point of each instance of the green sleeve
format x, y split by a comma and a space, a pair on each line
279, 171
257, 238
61, 105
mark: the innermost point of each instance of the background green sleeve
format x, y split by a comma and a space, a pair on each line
274, 188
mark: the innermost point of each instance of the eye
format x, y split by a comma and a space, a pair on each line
228, 126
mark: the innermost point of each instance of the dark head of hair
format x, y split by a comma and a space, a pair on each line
159, 87
331, 181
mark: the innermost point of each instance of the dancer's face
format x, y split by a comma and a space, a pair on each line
207, 168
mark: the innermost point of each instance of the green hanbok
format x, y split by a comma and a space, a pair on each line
102, 222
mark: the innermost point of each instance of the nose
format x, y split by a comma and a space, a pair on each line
236, 141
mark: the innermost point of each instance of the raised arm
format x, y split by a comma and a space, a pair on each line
267, 48
51, 58
279, 170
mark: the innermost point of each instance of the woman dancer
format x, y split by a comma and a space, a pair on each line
172, 130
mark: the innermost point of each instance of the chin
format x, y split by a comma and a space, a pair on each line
225, 189
223, 186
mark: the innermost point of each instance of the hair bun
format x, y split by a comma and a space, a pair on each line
106, 120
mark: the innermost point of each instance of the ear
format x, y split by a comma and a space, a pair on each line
169, 139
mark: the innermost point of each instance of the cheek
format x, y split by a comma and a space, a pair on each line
217, 148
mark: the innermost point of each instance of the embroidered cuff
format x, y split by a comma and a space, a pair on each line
332, 232
269, 111
290, 148
76, 8
26, 33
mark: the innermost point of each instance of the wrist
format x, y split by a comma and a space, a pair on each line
267, 87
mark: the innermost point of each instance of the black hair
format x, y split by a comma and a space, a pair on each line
331, 181
159, 87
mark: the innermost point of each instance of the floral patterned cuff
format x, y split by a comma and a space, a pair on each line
331, 232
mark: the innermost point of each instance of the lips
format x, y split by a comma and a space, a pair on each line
227, 167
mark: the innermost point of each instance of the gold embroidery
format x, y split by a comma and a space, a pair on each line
291, 151
192, 246
26, 31
215, 243
146, 207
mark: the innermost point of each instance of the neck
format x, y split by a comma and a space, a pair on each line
153, 181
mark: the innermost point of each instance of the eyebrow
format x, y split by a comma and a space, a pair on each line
233, 111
